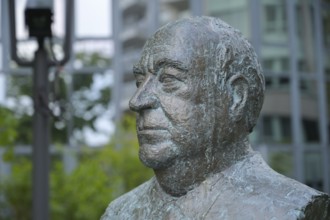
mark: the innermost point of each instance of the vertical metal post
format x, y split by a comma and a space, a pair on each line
321, 91
153, 16
117, 60
4, 167
5, 41
255, 10
256, 25
298, 147
41, 157
70, 70
196, 7
41, 64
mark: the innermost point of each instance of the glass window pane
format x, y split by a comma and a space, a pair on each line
313, 170
276, 129
309, 111
173, 10
274, 21
135, 28
326, 38
305, 34
276, 112
275, 58
234, 12
326, 26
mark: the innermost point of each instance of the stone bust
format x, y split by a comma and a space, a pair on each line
199, 93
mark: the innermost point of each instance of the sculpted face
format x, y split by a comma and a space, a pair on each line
174, 121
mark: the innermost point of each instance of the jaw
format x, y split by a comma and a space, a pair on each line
158, 156
183, 174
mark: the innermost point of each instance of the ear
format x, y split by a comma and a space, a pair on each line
238, 87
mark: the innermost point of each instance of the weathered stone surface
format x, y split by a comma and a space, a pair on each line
200, 91
247, 190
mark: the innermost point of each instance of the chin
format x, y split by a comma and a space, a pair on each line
158, 156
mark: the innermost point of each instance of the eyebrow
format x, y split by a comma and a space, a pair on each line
165, 62
137, 69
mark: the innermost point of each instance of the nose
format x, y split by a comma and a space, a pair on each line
144, 97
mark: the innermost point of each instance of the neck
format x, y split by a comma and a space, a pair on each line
186, 173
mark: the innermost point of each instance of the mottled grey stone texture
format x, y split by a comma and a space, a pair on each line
199, 93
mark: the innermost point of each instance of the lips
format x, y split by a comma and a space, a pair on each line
150, 120
149, 128
154, 130
152, 135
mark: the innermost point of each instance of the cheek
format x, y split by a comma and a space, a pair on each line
178, 111
187, 120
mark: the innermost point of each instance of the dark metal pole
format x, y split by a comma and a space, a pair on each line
41, 156
13, 39
41, 64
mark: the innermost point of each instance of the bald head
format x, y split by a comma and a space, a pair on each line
216, 50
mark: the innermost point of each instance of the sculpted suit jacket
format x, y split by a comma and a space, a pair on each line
248, 190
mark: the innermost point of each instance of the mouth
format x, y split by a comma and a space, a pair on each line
150, 130
152, 137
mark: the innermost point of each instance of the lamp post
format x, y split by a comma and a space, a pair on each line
38, 21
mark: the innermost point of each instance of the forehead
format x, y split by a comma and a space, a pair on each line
172, 43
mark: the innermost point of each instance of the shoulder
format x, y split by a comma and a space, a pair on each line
122, 207
255, 186
276, 186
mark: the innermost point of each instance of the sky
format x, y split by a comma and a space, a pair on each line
93, 18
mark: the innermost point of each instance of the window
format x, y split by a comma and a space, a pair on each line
275, 17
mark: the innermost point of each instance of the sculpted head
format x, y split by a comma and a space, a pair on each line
199, 92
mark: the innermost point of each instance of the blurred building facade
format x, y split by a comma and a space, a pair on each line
291, 38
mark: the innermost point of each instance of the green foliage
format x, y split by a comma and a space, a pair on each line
8, 125
17, 192
282, 163
82, 108
101, 176
87, 103
8, 132
82, 194
93, 59
19, 85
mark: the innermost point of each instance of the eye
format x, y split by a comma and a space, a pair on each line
139, 80
170, 83
166, 78
138, 84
